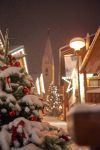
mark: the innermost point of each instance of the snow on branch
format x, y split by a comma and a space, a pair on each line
11, 71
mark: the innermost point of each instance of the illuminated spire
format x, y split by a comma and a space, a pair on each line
48, 64
48, 49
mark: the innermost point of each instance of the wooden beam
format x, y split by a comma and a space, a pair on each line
90, 51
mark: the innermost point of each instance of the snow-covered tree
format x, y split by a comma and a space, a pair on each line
20, 117
54, 101
17, 91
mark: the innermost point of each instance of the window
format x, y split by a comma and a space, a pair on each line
46, 72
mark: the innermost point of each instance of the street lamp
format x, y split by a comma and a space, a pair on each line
77, 43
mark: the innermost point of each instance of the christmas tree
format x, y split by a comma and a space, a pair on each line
20, 120
54, 100
17, 90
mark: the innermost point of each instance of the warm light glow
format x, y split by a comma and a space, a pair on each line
89, 75
1, 45
69, 88
74, 89
74, 84
82, 90
42, 83
77, 43
60, 107
38, 86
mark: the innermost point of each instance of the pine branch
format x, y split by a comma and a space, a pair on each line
2, 59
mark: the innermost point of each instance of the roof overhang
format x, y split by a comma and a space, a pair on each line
17, 51
91, 61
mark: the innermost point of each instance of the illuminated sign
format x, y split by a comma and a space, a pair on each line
69, 88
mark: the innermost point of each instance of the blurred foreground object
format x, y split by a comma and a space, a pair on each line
84, 125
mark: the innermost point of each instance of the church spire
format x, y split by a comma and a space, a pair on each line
48, 49
48, 31
48, 64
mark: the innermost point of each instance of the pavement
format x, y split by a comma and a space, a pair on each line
62, 124
55, 122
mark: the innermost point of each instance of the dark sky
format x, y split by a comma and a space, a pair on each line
29, 20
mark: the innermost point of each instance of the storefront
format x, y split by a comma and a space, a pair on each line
89, 72
90, 67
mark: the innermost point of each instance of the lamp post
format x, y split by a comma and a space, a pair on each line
77, 43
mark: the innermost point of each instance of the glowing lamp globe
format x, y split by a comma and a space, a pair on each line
77, 43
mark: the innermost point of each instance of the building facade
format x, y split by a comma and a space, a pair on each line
89, 72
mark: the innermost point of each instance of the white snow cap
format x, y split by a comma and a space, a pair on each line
27, 109
9, 97
5, 139
32, 100
11, 71
28, 147
85, 108
34, 131
3, 110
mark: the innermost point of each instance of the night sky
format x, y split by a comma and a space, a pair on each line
28, 22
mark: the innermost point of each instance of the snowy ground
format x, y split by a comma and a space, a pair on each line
62, 124
55, 122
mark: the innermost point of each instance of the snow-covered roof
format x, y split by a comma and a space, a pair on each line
9, 97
